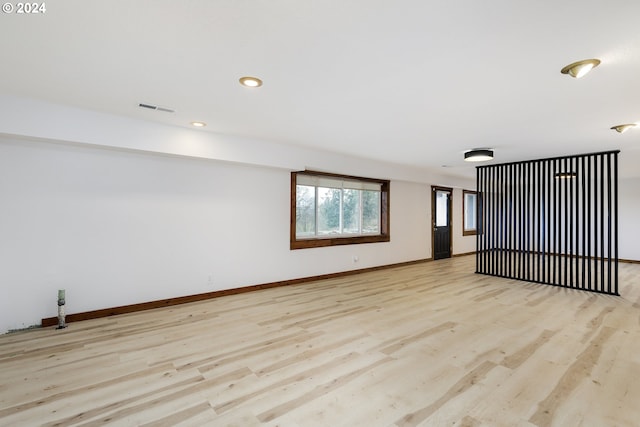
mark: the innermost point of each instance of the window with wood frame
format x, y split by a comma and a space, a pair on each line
469, 212
330, 209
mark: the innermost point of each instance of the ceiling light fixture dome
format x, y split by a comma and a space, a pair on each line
580, 68
478, 155
566, 175
623, 128
250, 81
198, 124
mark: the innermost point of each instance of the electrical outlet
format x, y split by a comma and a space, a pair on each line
355, 258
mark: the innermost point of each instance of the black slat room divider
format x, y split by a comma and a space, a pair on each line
552, 221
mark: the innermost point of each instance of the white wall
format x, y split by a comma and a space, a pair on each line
629, 218
116, 227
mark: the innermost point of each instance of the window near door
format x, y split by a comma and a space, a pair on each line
329, 209
470, 212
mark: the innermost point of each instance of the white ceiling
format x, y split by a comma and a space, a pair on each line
413, 82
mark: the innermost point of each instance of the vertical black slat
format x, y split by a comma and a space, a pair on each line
532, 221
514, 213
505, 220
560, 227
505, 231
477, 217
531, 211
570, 224
576, 224
545, 219
540, 214
558, 187
565, 206
539, 201
529, 220
480, 223
558, 235
589, 223
489, 226
579, 222
517, 182
602, 230
479, 226
576, 221
505, 223
494, 199
584, 231
500, 213
526, 220
494, 196
609, 226
596, 234
549, 177
520, 219
542, 225
577, 235
552, 220
509, 192
491, 219
615, 221
496, 221
485, 219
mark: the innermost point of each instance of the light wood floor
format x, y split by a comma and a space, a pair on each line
431, 344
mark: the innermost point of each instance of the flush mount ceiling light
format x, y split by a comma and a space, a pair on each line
580, 68
566, 175
623, 128
250, 81
478, 155
198, 124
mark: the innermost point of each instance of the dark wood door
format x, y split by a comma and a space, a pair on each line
441, 223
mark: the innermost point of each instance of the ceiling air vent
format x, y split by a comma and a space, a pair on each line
157, 108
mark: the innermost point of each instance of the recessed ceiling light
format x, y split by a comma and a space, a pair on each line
478, 155
198, 124
623, 128
250, 81
580, 68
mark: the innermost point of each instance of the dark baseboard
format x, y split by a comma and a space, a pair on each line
94, 314
463, 254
